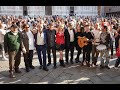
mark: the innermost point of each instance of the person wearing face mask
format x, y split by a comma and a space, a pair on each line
13, 46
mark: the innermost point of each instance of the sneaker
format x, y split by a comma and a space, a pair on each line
18, 71
101, 67
48, 64
71, 62
66, 62
116, 68
55, 67
40, 67
45, 69
12, 75
107, 67
5, 59
32, 67
27, 69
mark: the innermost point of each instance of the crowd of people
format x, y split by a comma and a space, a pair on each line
22, 35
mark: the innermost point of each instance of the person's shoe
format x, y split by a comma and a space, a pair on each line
45, 69
62, 63
48, 64
111, 57
12, 75
82, 63
101, 67
40, 67
55, 67
76, 60
107, 67
5, 59
116, 68
18, 71
71, 62
88, 64
32, 67
27, 69
66, 62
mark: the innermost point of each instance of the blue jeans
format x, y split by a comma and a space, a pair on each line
41, 48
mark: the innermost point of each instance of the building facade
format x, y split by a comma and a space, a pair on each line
50, 10
112, 10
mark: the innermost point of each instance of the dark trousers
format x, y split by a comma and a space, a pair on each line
28, 58
86, 53
14, 60
54, 54
25, 55
71, 49
95, 54
111, 47
41, 48
117, 62
78, 53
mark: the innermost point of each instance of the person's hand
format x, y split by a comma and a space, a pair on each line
23, 50
34, 31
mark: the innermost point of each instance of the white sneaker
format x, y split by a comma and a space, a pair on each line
116, 68
5, 59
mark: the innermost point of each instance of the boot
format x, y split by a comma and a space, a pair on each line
62, 63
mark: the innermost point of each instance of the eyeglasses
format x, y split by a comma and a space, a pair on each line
27, 27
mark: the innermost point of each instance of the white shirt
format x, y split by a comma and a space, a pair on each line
97, 34
31, 40
71, 35
40, 39
112, 34
2, 33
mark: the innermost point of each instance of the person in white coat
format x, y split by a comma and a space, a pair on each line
2, 33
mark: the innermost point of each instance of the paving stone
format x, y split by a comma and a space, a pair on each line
95, 79
105, 78
34, 79
55, 73
47, 79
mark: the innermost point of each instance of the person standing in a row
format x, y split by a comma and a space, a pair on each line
28, 42
51, 45
69, 42
13, 46
2, 33
60, 43
80, 31
41, 45
88, 48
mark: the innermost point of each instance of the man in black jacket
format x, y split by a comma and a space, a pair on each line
51, 45
69, 42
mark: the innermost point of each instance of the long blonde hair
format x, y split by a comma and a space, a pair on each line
61, 26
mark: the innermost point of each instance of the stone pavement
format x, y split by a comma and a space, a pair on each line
71, 74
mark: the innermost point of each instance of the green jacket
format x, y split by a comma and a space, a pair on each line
12, 42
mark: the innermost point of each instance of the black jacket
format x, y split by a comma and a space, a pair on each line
67, 38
